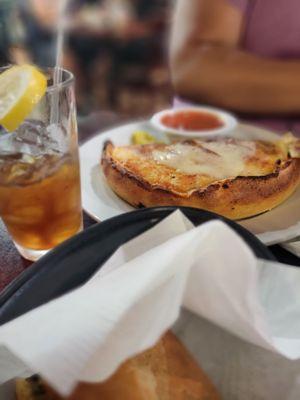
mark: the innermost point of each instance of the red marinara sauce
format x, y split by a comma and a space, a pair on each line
192, 121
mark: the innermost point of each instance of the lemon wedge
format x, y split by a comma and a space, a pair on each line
142, 137
21, 88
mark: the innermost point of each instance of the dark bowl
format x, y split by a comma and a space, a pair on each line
72, 263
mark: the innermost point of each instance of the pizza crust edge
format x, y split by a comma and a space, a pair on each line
237, 198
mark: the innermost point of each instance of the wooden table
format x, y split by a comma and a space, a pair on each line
12, 264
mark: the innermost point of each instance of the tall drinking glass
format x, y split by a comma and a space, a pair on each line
40, 201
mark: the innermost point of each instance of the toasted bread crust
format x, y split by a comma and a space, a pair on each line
237, 198
167, 371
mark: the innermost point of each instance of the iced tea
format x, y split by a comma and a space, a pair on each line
40, 199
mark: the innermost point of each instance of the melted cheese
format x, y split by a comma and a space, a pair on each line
216, 159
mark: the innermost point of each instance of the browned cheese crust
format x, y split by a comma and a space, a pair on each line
272, 176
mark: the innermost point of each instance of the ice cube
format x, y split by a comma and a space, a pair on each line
36, 138
7, 145
17, 170
59, 137
29, 138
27, 159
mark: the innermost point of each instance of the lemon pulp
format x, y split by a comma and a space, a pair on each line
21, 88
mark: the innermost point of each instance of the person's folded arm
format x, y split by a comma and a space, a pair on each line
208, 65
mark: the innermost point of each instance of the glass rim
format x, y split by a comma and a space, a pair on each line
64, 83
57, 87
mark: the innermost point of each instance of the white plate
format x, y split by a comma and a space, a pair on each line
100, 202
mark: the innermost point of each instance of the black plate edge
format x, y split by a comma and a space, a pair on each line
72, 243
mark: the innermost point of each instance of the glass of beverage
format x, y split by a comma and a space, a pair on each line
40, 201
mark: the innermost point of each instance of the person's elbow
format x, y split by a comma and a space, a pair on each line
191, 72
180, 79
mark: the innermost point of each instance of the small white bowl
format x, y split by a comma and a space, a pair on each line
229, 121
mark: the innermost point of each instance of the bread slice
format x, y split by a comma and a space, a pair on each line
33, 388
165, 372
234, 178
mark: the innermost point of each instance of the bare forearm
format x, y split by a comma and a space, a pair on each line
237, 80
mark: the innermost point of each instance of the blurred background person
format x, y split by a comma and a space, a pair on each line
5, 12
115, 48
241, 55
92, 29
39, 19
10, 32
139, 63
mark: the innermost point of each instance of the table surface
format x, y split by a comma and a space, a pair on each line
12, 264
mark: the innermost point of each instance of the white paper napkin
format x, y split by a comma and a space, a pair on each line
137, 295
293, 246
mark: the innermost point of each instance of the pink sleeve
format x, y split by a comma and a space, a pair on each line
242, 4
